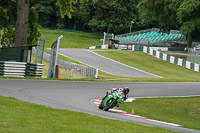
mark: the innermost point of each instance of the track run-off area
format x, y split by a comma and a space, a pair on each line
80, 96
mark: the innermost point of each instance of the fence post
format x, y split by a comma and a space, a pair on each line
71, 74
96, 75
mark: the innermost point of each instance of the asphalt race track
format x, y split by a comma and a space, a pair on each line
107, 65
77, 96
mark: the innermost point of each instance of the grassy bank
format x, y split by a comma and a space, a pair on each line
72, 39
145, 62
182, 111
18, 116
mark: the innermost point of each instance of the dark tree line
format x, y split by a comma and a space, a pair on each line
179, 14
95, 15
90, 15
116, 15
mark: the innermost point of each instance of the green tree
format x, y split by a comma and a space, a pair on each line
48, 13
33, 30
65, 7
160, 13
22, 22
188, 15
109, 16
23, 7
167, 14
7, 21
8, 18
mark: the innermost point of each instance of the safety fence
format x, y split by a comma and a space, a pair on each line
78, 69
194, 55
20, 69
170, 59
75, 69
39, 49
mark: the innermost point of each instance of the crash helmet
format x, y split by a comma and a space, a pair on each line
125, 90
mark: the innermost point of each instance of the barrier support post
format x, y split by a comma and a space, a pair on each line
57, 71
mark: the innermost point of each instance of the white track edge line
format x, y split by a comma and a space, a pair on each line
126, 65
168, 96
137, 116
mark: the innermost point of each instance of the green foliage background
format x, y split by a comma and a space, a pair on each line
102, 16
7, 20
89, 15
7, 24
116, 15
182, 15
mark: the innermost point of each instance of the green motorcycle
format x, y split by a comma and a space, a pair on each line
110, 101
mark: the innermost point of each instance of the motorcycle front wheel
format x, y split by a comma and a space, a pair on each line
109, 104
101, 106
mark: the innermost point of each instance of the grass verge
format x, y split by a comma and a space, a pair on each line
183, 111
19, 116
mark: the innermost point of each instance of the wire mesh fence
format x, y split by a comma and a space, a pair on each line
77, 69
72, 70
40, 49
194, 55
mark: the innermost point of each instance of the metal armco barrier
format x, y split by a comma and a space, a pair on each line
20, 69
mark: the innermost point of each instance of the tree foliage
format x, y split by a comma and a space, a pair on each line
171, 13
159, 13
181, 14
7, 21
25, 24
7, 24
48, 13
110, 16
102, 15
65, 7
33, 30
189, 15
95, 15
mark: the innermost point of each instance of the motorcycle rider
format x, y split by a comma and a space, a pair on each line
122, 91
